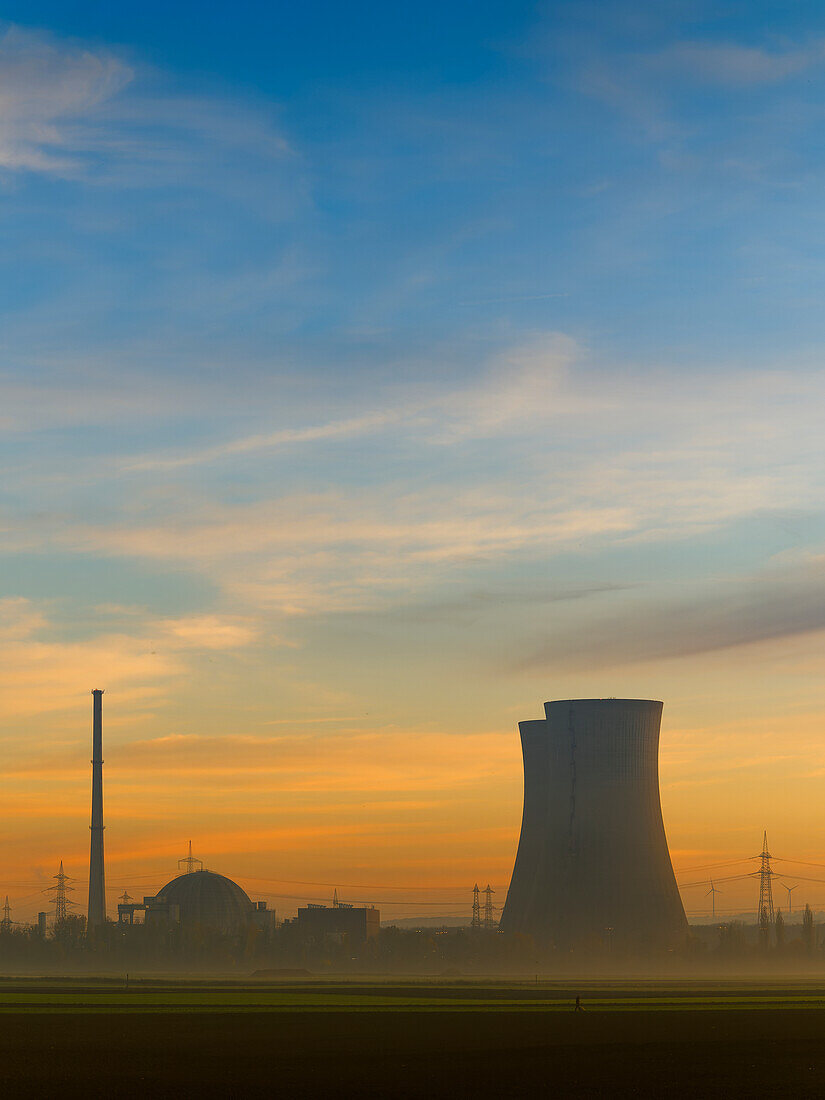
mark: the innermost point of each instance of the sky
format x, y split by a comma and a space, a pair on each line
370, 375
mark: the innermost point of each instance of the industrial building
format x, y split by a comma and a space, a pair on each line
200, 899
339, 920
593, 865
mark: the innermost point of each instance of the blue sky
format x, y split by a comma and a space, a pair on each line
376, 372
644, 177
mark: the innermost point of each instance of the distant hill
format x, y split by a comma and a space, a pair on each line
426, 922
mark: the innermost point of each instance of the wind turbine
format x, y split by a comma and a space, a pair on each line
712, 894
789, 889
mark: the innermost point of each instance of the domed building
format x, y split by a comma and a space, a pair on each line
208, 900
200, 899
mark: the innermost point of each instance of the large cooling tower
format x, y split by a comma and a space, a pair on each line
593, 863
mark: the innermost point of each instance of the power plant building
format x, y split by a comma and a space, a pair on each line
339, 920
593, 864
200, 899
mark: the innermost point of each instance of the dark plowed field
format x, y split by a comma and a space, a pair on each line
721, 1052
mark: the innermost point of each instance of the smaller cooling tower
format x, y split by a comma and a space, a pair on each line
593, 863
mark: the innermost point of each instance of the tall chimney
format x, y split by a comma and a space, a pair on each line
97, 876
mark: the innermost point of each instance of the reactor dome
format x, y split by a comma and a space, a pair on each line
210, 900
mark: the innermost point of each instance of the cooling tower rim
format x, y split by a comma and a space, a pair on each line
605, 702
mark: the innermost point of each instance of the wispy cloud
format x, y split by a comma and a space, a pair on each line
773, 605
267, 441
39, 673
41, 670
83, 112
208, 631
709, 110
737, 65
47, 89
647, 457
392, 762
384, 760
351, 547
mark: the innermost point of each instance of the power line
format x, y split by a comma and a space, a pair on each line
712, 866
396, 903
374, 901
802, 878
740, 910
724, 878
348, 885
299, 882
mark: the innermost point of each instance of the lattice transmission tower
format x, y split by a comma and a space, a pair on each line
765, 914
60, 901
489, 920
190, 862
476, 921
5, 923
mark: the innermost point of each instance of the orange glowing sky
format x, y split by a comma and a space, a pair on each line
404, 800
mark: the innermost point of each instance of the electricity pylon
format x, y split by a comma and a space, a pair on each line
489, 922
190, 862
61, 902
765, 914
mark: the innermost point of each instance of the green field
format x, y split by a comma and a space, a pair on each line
111, 995
410, 1039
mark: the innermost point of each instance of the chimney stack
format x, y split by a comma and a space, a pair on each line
97, 877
